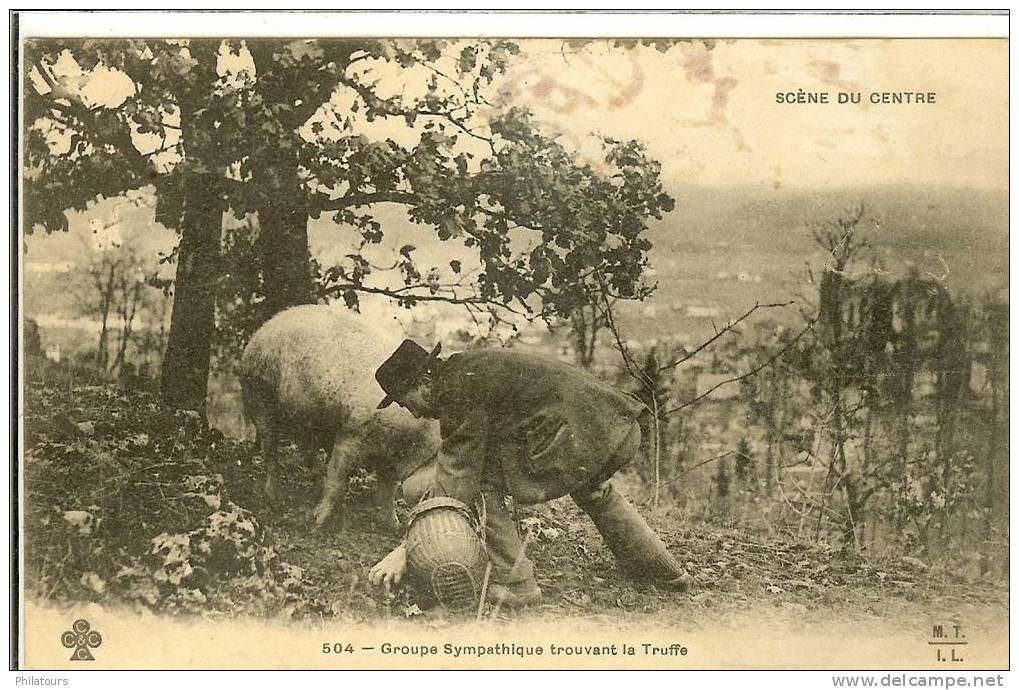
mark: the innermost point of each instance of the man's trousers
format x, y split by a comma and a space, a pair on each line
638, 550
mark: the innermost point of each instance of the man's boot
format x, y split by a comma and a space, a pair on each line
522, 595
638, 550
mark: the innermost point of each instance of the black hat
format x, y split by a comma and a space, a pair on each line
398, 374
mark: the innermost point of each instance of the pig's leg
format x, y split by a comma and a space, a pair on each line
384, 497
324, 442
260, 408
309, 445
316, 440
268, 437
341, 464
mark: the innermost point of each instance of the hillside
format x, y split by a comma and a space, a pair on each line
721, 250
133, 509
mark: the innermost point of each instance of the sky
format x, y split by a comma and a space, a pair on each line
707, 109
708, 112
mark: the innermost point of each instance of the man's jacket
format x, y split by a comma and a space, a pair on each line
547, 427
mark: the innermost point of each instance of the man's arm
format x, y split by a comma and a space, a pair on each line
457, 475
461, 458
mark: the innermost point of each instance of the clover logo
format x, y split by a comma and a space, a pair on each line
81, 637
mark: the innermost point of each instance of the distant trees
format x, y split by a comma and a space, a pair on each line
886, 374
288, 130
991, 351
878, 423
120, 285
769, 397
142, 126
842, 328
654, 391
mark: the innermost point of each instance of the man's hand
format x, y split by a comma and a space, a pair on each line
390, 569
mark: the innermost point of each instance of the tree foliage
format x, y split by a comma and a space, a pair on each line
291, 130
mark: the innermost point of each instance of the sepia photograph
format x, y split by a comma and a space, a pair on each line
509, 351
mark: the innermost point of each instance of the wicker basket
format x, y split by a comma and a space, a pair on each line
445, 552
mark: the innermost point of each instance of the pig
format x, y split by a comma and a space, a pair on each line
308, 375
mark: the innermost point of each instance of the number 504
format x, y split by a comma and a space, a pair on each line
337, 648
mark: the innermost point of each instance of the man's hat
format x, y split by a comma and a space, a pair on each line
398, 374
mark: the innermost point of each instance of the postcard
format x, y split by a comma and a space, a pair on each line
498, 351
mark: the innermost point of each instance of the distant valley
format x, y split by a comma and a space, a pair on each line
718, 253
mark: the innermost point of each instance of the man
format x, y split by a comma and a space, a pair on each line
535, 429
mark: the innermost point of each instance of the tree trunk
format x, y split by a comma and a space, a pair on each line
996, 377
283, 211
286, 259
584, 329
185, 376
131, 297
106, 288
770, 393
283, 240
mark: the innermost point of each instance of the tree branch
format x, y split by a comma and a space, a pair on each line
700, 464
85, 119
746, 375
725, 329
367, 199
402, 294
459, 124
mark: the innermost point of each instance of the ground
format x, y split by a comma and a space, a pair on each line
734, 571
129, 505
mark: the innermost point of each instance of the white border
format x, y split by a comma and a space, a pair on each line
482, 23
